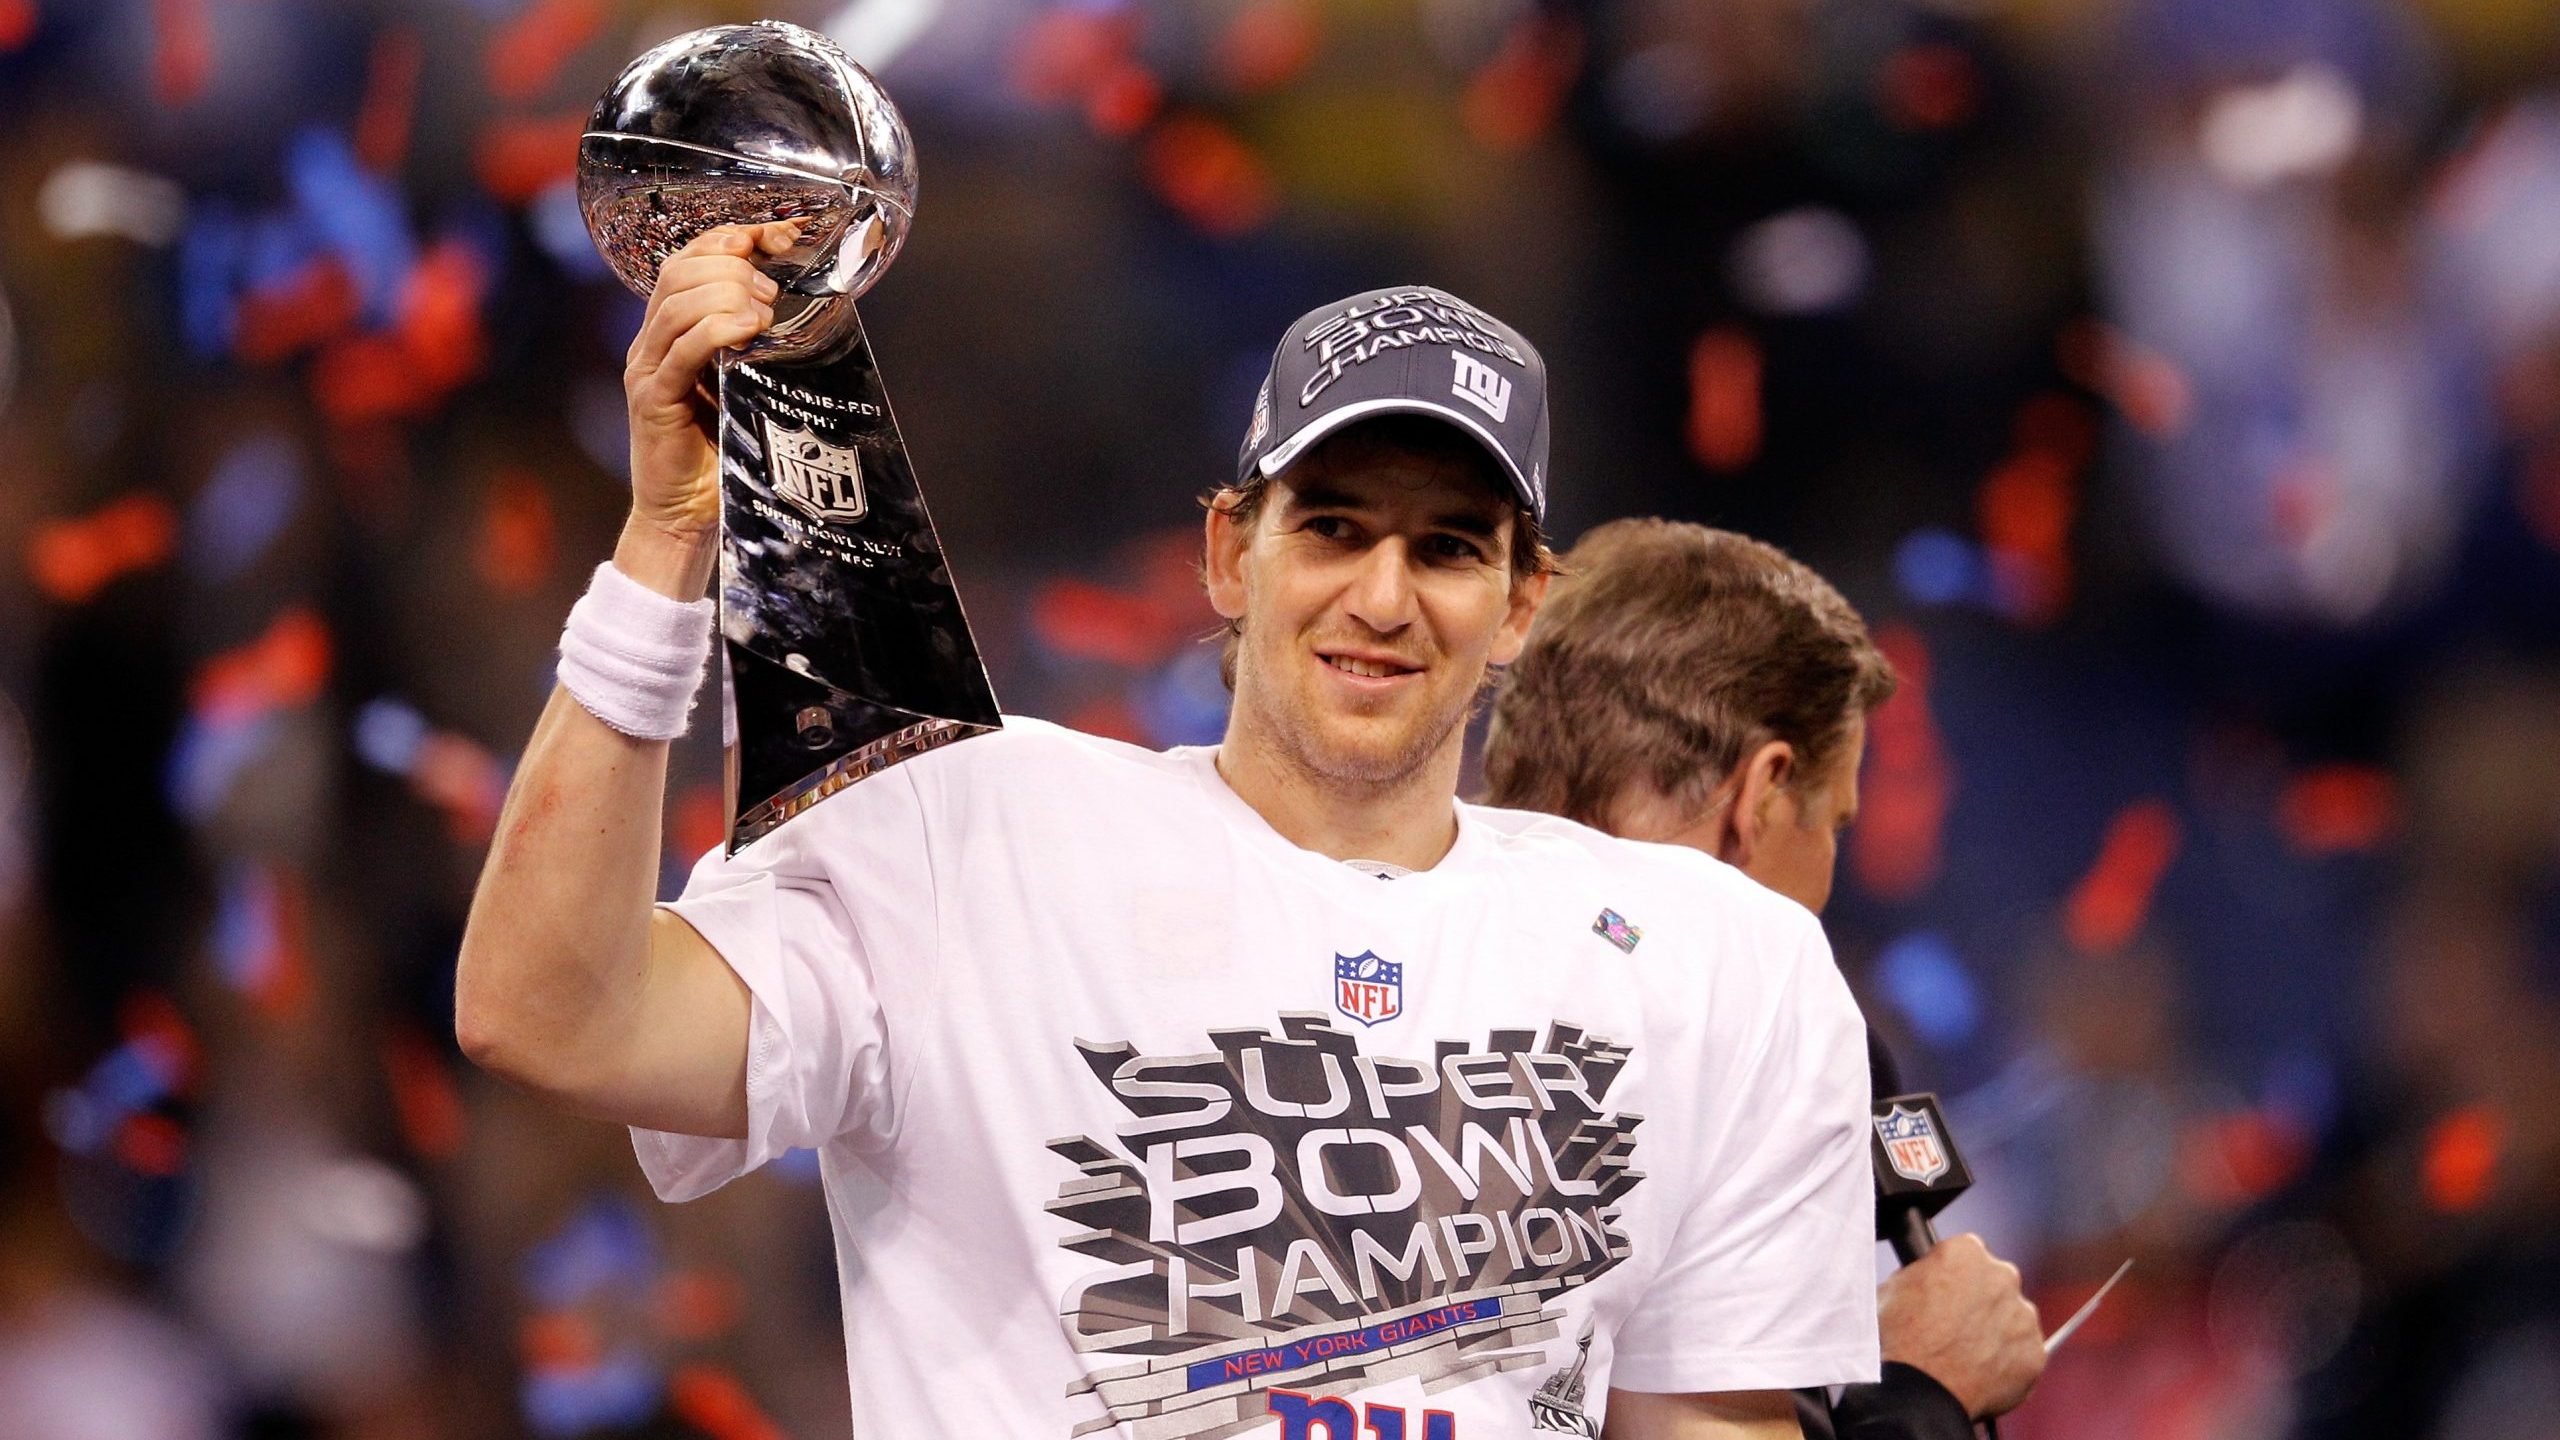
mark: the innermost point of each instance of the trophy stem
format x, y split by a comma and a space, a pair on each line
846, 647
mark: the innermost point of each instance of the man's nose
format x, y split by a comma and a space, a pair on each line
1382, 595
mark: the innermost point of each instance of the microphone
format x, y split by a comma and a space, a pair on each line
1918, 1168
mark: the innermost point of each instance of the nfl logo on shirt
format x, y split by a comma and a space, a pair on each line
1911, 1144
1366, 988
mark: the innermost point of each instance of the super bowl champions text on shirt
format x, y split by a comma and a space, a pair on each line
1135, 1118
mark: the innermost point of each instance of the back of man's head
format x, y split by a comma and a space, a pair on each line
1666, 653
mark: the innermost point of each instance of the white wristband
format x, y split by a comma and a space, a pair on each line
633, 657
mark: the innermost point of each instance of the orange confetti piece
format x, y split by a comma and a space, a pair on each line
317, 303
17, 23
2232, 1160
1095, 622
436, 344
1895, 848
713, 1402
2025, 509
520, 158
528, 53
149, 1018
517, 534
559, 1340
283, 990
2146, 387
2458, 1164
440, 315
1066, 53
72, 560
462, 779
2109, 904
1724, 398
699, 1304
1269, 44
152, 1145
699, 821
1933, 86
366, 378
182, 52
390, 101
2339, 808
1111, 717
1210, 175
424, 1098
1122, 102
1516, 97
285, 667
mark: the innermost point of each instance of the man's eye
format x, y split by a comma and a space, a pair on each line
1456, 547
1327, 527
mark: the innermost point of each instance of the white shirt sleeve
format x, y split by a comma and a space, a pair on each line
830, 922
1770, 1280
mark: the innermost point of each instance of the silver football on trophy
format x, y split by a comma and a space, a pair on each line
739, 124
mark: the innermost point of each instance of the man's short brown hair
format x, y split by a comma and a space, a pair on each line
1666, 653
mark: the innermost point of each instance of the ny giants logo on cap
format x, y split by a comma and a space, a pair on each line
1482, 386
1392, 321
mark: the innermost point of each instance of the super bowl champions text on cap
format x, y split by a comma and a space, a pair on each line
1368, 328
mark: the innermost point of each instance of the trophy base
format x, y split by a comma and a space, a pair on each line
847, 647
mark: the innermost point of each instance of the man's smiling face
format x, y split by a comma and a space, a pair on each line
1373, 587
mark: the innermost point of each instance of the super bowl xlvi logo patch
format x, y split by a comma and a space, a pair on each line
1911, 1144
1613, 927
822, 479
1366, 988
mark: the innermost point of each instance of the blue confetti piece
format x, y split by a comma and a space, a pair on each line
389, 734
209, 757
605, 1246
1924, 978
1939, 567
248, 501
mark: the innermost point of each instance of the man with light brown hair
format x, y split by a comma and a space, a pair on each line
1700, 688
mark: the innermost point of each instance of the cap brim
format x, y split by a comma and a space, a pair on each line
1281, 456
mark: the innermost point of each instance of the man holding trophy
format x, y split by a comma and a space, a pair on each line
1261, 1088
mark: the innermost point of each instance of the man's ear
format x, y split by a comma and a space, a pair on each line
1223, 540
1760, 787
1527, 594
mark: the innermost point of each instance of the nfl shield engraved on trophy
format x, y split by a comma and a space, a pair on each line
824, 480
842, 636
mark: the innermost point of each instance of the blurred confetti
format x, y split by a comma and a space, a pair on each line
1724, 399
85, 198
2111, 902
456, 775
2458, 1167
244, 505
259, 944
1894, 850
72, 560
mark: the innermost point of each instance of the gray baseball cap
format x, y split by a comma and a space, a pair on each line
1407, 350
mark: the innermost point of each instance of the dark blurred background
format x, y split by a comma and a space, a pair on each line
2175, 384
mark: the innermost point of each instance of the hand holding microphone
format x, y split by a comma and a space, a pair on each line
1955, 1312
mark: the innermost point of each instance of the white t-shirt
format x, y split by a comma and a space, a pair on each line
1132, 1112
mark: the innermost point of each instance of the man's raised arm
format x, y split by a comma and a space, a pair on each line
571, 982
